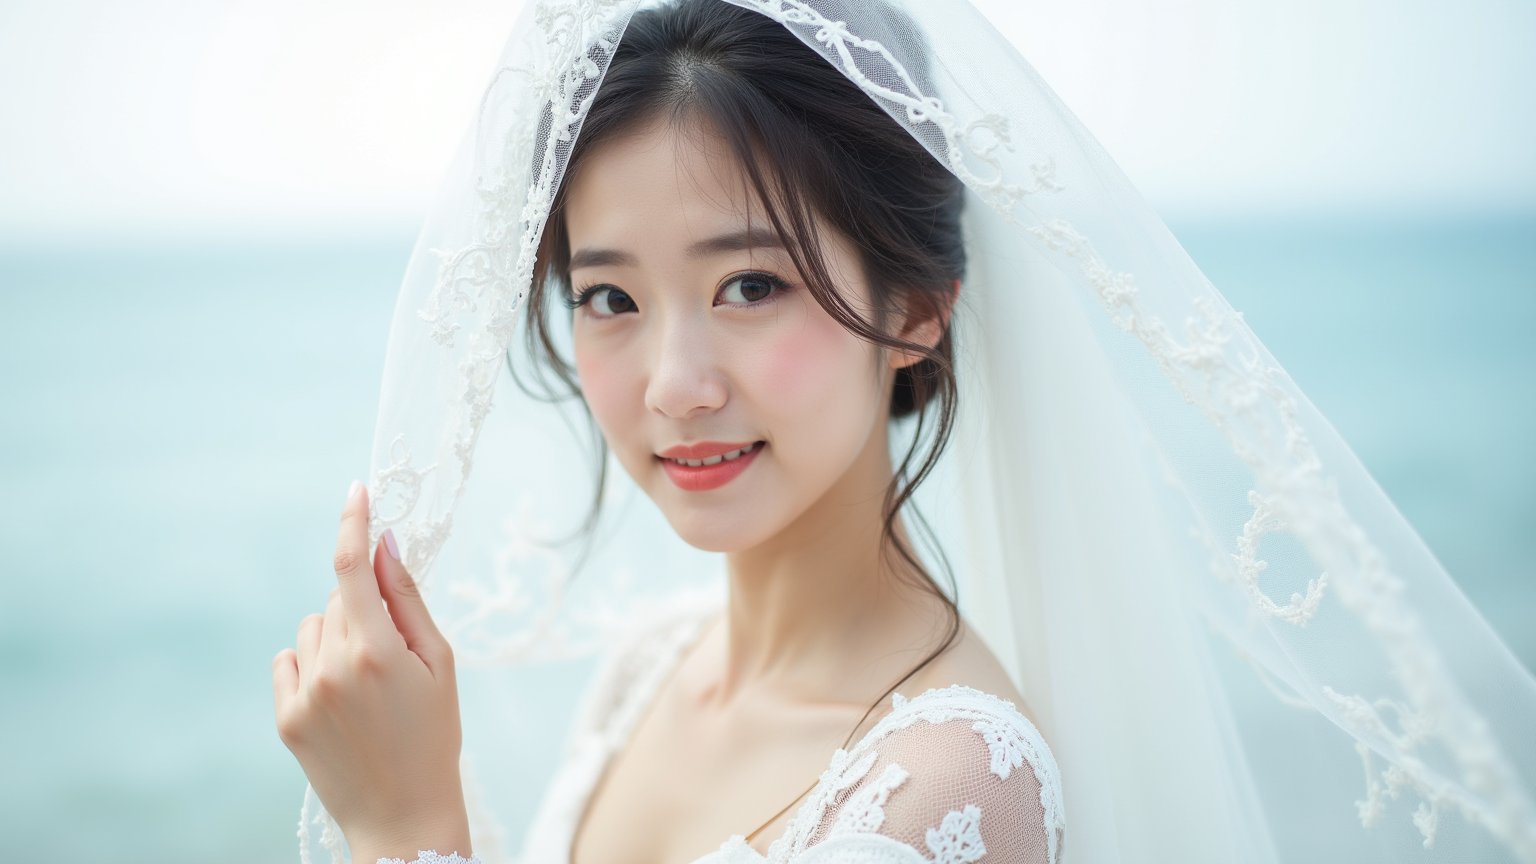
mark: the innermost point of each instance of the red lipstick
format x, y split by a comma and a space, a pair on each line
725, 461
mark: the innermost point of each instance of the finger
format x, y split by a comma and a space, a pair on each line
407, 608
359, 590
285, 679
308, 645
333, 630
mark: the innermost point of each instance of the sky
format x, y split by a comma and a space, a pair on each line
279, 116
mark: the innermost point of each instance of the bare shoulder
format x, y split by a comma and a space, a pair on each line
969, 662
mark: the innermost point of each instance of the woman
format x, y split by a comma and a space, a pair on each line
754, 211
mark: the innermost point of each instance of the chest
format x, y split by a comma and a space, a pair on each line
681, 785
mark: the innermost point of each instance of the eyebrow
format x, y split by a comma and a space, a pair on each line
735, 241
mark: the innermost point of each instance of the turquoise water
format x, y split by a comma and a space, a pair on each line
181, 422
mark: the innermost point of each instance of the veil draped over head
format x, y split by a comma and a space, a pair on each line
1236, 646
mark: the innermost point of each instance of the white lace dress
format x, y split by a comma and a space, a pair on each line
951, 775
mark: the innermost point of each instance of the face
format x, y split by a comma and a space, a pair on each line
696, 338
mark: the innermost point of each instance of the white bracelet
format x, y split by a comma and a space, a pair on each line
428, 856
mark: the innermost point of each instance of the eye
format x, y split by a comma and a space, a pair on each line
750, 289
603, 301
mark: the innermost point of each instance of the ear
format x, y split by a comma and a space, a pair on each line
926, 331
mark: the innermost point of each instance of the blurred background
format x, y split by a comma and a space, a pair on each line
205, 210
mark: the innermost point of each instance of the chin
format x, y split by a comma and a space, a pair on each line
716, 531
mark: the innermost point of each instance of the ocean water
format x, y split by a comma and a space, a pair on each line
181, 421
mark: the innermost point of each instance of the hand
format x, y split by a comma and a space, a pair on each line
369, 706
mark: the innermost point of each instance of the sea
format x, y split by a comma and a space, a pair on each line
181, 419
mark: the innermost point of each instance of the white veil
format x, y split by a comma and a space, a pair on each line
1236, 646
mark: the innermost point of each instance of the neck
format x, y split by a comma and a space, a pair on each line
818, 606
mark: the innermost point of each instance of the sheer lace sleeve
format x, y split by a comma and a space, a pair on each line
956, 776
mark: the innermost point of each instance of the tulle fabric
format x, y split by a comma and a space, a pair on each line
1235, 645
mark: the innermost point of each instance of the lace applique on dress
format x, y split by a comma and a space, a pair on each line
429, 856
936, 781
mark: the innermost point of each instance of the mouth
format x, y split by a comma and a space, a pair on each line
708, 466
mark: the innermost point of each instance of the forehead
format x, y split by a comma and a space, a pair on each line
668, 183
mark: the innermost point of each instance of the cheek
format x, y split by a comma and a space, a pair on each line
606, 385
815, 367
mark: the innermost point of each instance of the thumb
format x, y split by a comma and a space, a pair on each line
406, 605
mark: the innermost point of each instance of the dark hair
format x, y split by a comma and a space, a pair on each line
812, 144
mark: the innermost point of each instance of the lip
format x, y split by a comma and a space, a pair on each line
702, 450
706, 477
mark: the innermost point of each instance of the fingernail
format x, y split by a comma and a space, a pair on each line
352, 490
389, 543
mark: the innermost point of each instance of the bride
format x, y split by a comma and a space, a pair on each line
793, 294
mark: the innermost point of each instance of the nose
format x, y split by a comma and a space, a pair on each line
685, 379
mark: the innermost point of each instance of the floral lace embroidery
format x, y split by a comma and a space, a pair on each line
1301, 608
480, 287
1245, 399
864, 812
429, 856
975, 141
1006, 746
1010, 739
957, 840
